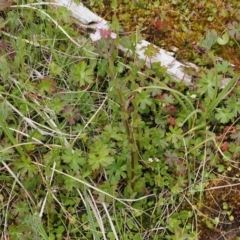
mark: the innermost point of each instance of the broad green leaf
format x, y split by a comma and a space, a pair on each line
208, 41
223, 40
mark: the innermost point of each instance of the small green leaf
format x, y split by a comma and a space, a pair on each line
209, 40
210, 19
220, 168
114, 4
55, 69
223, 40
100, 156
151, 50
82, 73
73, 159
224, 115
209, 83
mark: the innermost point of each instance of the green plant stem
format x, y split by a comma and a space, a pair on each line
124, 107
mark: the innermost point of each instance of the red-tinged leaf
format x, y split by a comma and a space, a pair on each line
224, 146
32, 96
160, 96
160, 24
72, 114
170, 109
4, 4
197, 48
231, 129
3, 44
12, 55
220, 137
5, 48
172, 121
202, 107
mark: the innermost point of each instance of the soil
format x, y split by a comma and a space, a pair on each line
221, 201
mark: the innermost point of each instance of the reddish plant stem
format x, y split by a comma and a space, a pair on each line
125, 120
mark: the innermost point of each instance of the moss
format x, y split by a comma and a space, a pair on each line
184, 22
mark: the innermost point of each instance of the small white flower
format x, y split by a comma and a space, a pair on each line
193, 96
95, 36
102, 25
113, 35
156, 159
150, 160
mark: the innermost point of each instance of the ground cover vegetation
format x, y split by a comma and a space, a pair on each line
94, 145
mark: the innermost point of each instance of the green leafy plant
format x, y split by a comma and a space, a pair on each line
82, 74
209, 40
96, 145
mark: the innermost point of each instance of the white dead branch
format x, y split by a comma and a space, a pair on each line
79, 12
174, 67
